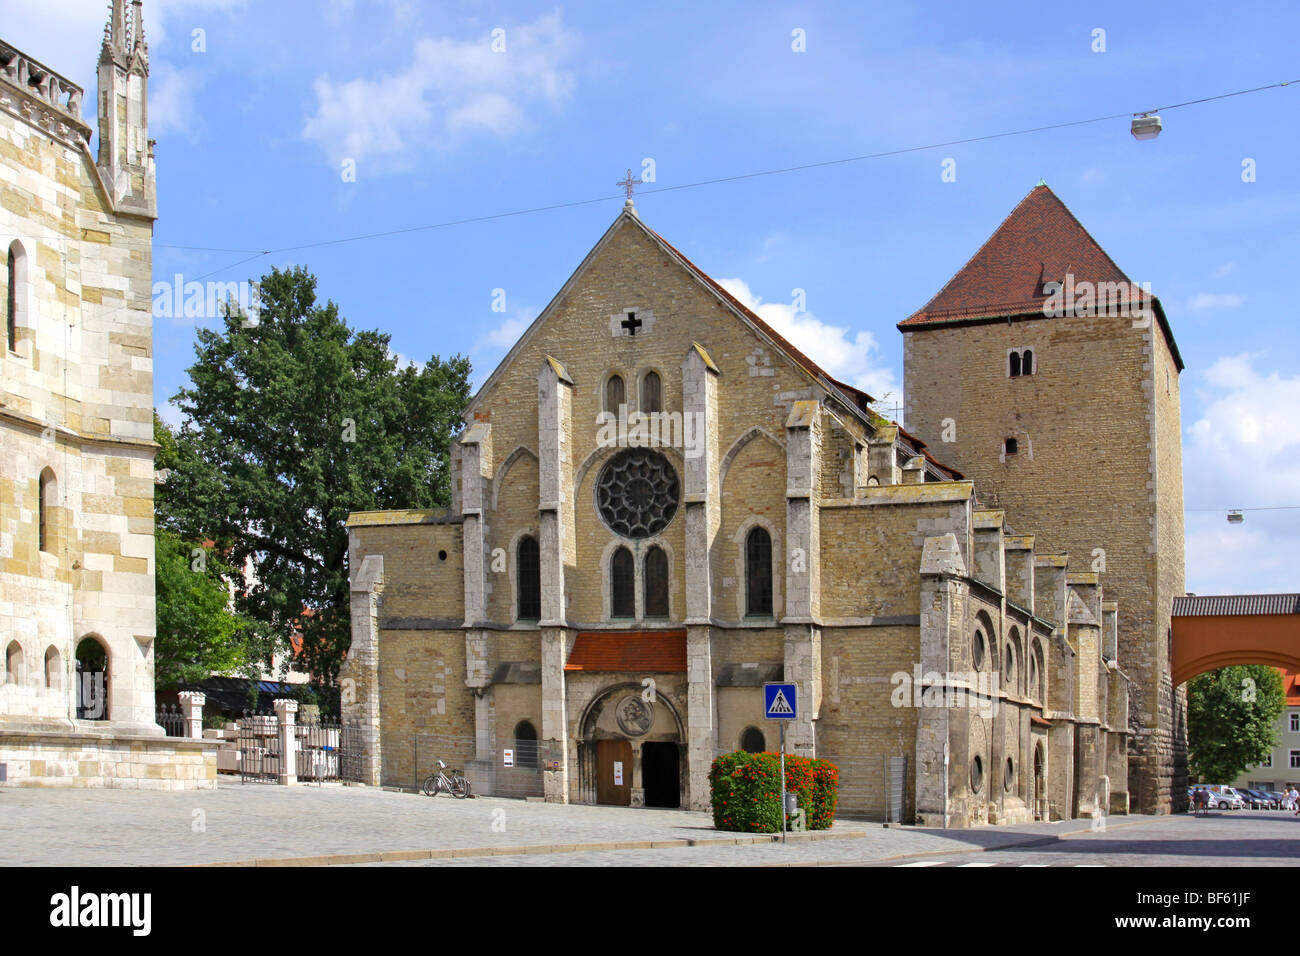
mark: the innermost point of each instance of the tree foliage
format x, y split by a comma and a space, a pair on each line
292, 421
198, 633
1232, 720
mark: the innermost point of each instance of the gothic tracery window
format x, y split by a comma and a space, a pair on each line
637, 493
758, 573
528, 568
622, 584
656, 583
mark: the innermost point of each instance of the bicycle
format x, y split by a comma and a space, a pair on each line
442, 781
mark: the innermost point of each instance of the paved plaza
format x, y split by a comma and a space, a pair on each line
265, 824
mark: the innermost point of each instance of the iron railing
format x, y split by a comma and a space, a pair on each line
170, 718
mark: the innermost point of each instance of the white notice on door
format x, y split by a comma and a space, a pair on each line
618, 773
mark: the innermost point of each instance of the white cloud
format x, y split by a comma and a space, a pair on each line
1243, 452
452, 89
171, 101
1223, 270
488, 350
852, 357
1204, 301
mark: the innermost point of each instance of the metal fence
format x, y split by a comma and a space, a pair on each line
504, 767
172, 720
326, 750
259, 748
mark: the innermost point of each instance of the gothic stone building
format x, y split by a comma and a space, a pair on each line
660, 504
76, 430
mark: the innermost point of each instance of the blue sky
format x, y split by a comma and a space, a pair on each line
255, 132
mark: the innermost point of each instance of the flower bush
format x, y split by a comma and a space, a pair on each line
746, 791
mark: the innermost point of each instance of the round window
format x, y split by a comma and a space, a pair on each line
637, 493
977, 650
1009, 777
977, 774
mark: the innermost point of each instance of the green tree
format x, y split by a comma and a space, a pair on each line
1232, 720
292, 420
198, 633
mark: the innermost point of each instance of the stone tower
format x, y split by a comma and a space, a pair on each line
1044, 373
77, 617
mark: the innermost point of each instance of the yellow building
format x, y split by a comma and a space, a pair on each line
659, 505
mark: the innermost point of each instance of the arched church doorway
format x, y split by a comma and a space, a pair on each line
630, 752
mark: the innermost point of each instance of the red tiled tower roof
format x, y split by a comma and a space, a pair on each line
1039, 242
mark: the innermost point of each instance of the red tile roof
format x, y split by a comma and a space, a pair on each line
658, 652
1291, 687
1039, 242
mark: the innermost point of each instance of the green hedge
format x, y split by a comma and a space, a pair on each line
746, 791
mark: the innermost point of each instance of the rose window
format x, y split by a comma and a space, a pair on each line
637, 493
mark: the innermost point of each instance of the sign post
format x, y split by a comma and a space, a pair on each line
781, 702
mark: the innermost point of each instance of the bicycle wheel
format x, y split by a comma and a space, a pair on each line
459, 786
430, 786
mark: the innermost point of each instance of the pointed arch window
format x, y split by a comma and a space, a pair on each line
528, 568
615, 393
758, 573
622, 584
656, 583
651, 397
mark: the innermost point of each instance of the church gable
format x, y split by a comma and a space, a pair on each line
622, 326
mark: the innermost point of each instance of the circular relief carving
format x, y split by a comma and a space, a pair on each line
634, 716
637, 493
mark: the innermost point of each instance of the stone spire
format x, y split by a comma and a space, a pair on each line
139, 48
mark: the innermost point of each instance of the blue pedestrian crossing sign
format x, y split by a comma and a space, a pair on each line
780, 702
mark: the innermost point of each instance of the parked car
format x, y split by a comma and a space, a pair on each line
1279, 798
1270, 798
1255, 799
1224, 798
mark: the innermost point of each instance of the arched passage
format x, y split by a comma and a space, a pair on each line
1220, 631
92, 679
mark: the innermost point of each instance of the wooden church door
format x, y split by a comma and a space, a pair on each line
614, 772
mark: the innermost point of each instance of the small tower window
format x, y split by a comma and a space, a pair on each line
1015, 364
15, 276
622, 584
650, 393
1027, 363
45, 511
615, 394
1012, 446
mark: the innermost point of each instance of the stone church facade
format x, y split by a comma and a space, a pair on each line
660, 504
77, 622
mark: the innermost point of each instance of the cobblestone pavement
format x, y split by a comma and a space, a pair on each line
240, 824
